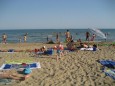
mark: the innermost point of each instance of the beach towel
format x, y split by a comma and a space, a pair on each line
107, 63
108, 67
88, 49
110, 73
20, 65
7, 52
49, 52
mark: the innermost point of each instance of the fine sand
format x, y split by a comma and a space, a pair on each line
79, 68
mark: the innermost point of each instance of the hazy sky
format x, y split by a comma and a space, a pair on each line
39, 14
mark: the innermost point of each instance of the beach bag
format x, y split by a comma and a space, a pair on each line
26, 71
11, 50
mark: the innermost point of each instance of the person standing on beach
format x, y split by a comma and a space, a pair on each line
93, 37
57, 37
47, 39
20, 40
87, 36
67, 34
25, 37
60, 49
4, 37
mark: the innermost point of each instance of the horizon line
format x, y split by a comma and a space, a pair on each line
48, 28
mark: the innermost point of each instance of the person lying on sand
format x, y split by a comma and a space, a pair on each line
24, 74
41, 50
11, 76
84, 45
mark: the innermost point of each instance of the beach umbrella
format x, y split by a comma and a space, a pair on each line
98, 32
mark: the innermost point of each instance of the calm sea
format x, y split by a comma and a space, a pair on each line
40, 35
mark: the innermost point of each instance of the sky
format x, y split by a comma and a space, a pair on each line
57, 14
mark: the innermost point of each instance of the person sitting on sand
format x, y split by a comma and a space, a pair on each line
71, 45
80, 45
43, 49
94, 46
79, 40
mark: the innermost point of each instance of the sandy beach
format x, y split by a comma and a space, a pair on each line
79, 68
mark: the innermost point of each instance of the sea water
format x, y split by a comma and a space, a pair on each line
41, 35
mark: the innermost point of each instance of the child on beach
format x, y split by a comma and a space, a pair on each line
93, 37
59, 49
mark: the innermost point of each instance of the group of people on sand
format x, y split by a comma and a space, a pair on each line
44, 51
88, 38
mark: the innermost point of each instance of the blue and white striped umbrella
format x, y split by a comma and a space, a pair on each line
97, 32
